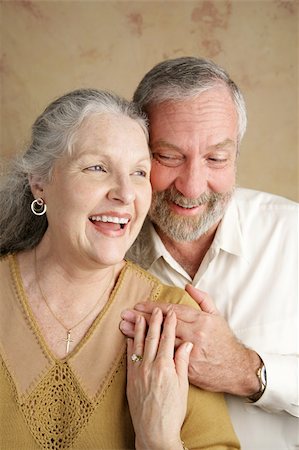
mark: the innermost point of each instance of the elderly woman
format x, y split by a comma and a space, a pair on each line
71, 207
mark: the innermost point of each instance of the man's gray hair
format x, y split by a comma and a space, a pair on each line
53, 135
182, 78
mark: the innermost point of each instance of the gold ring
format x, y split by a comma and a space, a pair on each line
136, 358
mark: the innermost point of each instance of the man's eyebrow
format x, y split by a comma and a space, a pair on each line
227, 143
223, 144
165, 144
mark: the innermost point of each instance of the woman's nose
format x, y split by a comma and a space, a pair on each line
122, 191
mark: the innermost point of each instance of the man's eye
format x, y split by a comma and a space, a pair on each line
217, 159
168, 160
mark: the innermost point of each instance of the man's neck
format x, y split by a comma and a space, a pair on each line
189, 254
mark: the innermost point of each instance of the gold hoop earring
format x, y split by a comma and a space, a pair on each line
38, 207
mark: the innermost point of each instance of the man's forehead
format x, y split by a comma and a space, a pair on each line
216, 93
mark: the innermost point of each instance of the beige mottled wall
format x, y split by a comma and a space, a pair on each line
50, 47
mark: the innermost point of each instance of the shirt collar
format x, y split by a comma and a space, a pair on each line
148, 247
229, 236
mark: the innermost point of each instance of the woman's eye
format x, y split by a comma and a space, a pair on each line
96, 168
140, 173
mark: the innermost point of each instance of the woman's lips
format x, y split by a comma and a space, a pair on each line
110, 223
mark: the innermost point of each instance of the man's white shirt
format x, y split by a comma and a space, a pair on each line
251, 273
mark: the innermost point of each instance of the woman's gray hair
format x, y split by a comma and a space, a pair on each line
53, 135
181, 78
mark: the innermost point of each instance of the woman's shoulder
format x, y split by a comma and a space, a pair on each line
207, 423
162, 293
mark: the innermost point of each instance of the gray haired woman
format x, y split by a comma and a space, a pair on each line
71, 206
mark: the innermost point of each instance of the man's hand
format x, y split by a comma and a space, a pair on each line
218, 362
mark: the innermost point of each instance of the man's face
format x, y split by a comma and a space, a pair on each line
194, 146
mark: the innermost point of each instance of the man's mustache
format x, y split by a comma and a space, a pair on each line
173, 195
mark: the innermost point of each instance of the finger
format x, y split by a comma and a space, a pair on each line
129, 354
153, 336
185, 332
167, 340
140, 331
127, 328
181, 358
130, 315
178, 342
183, 312
202, 298
127, 325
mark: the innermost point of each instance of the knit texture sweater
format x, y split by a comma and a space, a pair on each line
80, 402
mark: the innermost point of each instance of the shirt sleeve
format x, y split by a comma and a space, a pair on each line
281, 393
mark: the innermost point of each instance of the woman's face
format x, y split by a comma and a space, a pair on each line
98, 198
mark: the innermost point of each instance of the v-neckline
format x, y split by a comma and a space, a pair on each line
94, 360
22, 296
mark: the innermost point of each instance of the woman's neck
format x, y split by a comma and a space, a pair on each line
64, 298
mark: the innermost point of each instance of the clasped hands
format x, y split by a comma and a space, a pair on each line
219, 362
157, 381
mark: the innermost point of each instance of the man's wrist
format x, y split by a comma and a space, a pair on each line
261, 375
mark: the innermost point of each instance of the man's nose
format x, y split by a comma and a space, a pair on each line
192, 180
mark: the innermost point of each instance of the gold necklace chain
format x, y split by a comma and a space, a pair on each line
68, 330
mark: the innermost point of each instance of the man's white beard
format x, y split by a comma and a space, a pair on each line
187, 228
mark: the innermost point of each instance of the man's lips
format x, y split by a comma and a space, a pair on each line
187, 210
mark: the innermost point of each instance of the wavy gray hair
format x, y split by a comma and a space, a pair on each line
53, 134
181, 78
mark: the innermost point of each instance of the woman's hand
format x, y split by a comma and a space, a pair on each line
157, 384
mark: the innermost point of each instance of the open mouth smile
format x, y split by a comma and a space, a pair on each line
116, 222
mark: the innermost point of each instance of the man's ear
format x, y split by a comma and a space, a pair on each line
36, 186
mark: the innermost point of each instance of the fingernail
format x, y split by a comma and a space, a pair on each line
124, 313
189, 347
127, 314
123, 325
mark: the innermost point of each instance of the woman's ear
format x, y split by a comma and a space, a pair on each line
36, 186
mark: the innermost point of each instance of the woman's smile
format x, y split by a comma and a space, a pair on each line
92, 197
111, 223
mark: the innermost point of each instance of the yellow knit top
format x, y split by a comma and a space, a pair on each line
80, 402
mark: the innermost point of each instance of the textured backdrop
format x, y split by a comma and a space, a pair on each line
50, 47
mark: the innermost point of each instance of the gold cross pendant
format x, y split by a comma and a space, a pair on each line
68, 341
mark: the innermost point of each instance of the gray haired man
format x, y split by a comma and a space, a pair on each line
237, 246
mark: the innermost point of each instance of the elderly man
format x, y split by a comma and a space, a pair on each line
238, 246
